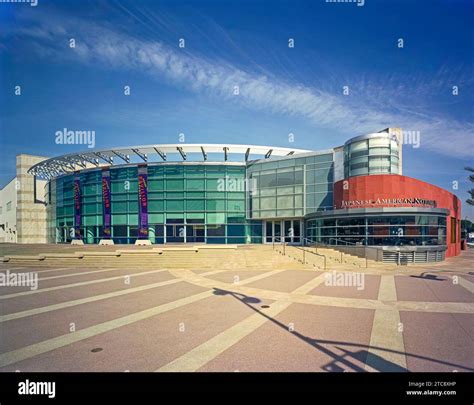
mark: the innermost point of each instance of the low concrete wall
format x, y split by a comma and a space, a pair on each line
376, 253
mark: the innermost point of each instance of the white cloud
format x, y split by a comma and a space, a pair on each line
353, 115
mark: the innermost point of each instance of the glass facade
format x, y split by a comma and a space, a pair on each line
290, 187
186, 203
374, 155
270, 200
383, 230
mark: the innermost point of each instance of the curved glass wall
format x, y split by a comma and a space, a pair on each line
186, 203
291, 187
383, 230
374, 155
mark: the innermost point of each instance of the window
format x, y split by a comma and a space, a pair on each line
174, 171
215, 205
119, 207
195, 171
195, 184
267, 192
381, 142
216, 218
155, 218
174, 205
155, 205
359, 149
195, 205
285, 190
9, 206
236, 205
285, 177
267, 203
299, 176
174, 185
215, 185
120, 231
285, 202
155, 185
215, 172
267, 180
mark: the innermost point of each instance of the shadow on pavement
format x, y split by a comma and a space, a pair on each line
347, 359
428, 276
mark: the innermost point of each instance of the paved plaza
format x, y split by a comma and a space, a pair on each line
149, 318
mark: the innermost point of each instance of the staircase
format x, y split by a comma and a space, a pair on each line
324, 257
219, 257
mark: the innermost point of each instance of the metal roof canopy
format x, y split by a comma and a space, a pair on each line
69, 163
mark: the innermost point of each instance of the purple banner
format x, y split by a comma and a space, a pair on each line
106, 212
143, 201
77, 207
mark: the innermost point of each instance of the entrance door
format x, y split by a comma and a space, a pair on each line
277, 232
199, 233
273, 232
268, 231
297, 231
287, 230
175, 233
195, 234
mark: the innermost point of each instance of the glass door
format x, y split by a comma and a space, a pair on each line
288, 231
292, 229
199, 233
195, 234
268, 231
175, 232
277, 237
297, 231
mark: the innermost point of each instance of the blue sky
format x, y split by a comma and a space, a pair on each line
282, 90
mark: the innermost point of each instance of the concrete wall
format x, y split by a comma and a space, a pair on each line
30, 212
8, 203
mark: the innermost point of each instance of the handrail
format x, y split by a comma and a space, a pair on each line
306, 240
352, 244
300, 248
310, 251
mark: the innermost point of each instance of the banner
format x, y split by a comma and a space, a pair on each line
106, 212
143, 201
77, 207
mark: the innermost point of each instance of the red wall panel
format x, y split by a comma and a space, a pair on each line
390, 186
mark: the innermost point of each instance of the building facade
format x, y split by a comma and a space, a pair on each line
353, 194
22, 205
